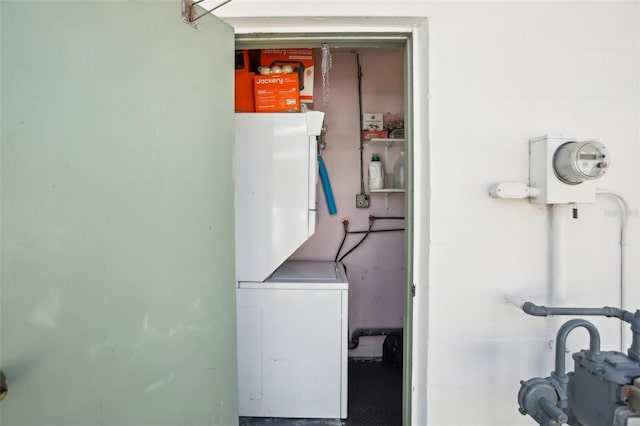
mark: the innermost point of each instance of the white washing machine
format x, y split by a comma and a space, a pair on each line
293, 342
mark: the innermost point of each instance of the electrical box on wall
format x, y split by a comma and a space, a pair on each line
563, 169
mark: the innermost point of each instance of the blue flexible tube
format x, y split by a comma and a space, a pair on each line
326, 186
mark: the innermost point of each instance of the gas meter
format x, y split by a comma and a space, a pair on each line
563, 169
604, 387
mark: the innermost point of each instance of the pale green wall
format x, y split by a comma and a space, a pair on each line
117, 255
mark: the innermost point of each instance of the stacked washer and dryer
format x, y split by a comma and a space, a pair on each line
292, 316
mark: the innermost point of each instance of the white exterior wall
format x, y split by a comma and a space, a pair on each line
499, 74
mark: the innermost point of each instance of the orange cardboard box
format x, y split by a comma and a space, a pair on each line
242, 61
244, 98
277, 93
302, 61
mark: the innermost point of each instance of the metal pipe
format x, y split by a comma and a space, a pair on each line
556, 414
634, 319
359, 332
545, 311
561, 342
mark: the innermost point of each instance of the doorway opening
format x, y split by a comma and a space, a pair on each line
376, 243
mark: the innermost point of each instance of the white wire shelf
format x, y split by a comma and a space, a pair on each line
387, 190
386, 142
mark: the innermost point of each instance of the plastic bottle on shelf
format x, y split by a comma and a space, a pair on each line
376, 173
399, 172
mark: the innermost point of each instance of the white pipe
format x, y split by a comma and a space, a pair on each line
558, 282
624, 210
558, 289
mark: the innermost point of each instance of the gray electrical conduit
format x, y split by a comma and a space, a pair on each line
360, 332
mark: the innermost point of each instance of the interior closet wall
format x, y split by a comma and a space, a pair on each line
376, 268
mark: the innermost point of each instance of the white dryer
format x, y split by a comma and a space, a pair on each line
293, 342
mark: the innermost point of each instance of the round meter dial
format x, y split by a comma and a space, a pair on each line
574, 162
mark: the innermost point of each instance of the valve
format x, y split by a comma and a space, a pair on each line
538, 398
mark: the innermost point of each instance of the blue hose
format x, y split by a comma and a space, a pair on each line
326, 186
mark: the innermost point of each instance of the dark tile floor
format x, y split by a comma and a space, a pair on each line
375, 399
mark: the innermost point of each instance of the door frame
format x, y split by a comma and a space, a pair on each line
412, 34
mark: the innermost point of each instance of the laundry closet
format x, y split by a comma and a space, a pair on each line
314, 322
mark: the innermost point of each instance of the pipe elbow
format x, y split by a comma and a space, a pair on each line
535, 310
561, 342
